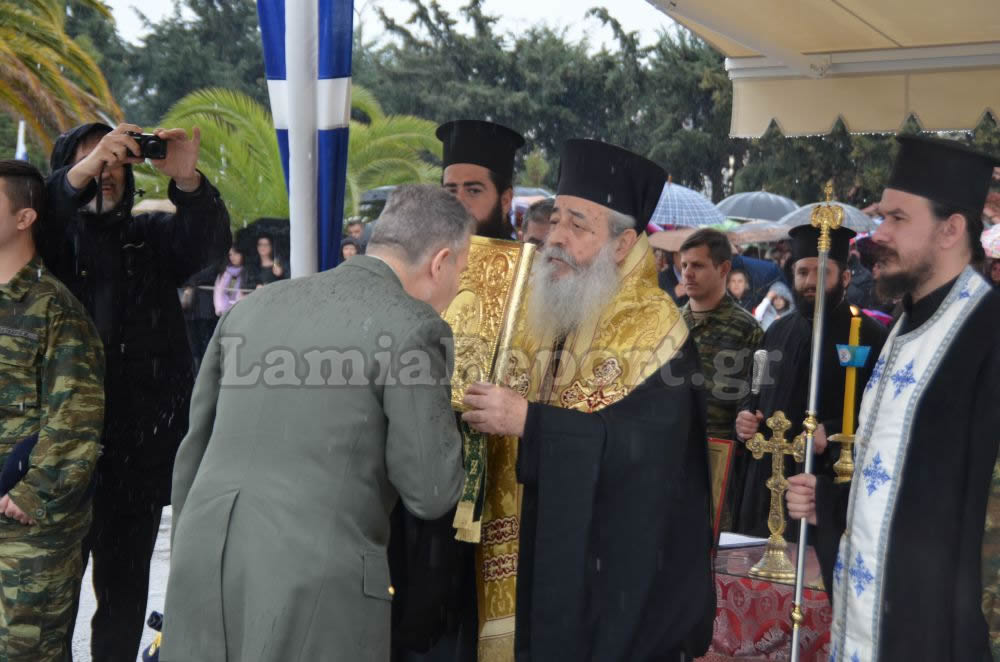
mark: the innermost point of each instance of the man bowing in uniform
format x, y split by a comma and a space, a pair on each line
901, 544
789, 343
615, 526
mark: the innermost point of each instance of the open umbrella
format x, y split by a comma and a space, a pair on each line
991, 242
758, 231
680, 205
757, 206
854, 218
670, 240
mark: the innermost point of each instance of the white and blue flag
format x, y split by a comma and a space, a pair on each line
307, 55
21, 151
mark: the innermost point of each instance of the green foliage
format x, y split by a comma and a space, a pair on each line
671, 101
239, 152
37, 154
666, 101
219, 47
46, 78
535, 171
98, 37
859, 165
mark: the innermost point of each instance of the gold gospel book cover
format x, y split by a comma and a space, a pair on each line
484, 312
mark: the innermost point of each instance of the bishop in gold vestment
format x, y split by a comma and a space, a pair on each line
596, 531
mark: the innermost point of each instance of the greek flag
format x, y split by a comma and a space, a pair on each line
21, 151
307, 56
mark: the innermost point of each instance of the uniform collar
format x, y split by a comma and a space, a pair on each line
727, 303
22, 281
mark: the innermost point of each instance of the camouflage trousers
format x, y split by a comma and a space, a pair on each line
37, 587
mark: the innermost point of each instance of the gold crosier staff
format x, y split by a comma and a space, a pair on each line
825, 217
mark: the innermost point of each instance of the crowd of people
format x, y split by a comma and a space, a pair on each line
328, 502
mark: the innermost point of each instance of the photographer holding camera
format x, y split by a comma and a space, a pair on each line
125, 270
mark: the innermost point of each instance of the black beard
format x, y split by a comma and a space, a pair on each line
494, 226
807, 307
891, 287
894, 287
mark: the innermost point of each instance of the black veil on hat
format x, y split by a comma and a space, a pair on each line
485, 144
944, 171
805, 243
613, 177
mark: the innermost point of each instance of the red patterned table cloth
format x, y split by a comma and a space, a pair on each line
753, 617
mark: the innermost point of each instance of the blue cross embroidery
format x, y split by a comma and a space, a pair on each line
876, 374
903, 378
838, 568
833, 653
875, 475
855, 658
859, 573
965, 294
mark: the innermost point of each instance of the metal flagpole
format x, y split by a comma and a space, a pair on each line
826, 218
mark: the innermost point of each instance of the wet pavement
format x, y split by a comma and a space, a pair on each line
157, 590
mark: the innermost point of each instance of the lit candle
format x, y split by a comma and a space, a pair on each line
850, 381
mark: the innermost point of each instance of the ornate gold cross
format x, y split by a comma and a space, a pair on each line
774, 564
827, 217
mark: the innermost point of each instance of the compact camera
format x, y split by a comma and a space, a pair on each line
150, 146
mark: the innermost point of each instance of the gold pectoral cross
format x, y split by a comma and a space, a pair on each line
774, 564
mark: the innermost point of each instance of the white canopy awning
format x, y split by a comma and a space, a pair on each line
872, 63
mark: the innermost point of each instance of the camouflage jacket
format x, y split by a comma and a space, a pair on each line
726, 339
52, 364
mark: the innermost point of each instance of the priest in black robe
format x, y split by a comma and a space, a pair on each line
785, 384
615, 527
901, 545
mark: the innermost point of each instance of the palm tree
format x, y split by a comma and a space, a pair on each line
386, 150
240, 154
45, 77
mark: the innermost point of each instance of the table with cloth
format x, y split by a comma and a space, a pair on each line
753, 617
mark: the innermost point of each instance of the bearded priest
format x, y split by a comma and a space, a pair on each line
615, 526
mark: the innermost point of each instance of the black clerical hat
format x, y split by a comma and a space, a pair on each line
485, 144
944, 171
613, 177
805, 243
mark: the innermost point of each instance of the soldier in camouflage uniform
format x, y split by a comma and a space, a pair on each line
726, 335
51, 413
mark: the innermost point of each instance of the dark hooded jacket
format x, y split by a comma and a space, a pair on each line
125, 270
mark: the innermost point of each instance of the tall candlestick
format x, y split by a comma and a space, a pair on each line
850, 380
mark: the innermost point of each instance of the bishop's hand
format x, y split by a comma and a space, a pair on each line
495, 410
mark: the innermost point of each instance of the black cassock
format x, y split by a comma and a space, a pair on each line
614, 559
932, 604
787, 389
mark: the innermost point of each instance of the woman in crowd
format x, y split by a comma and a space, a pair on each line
775, 305
231, 283
349, 247
268, 268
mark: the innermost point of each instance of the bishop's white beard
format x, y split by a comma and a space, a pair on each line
559, 305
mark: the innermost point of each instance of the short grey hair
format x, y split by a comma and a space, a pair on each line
619, 222
418, 220
539, 212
